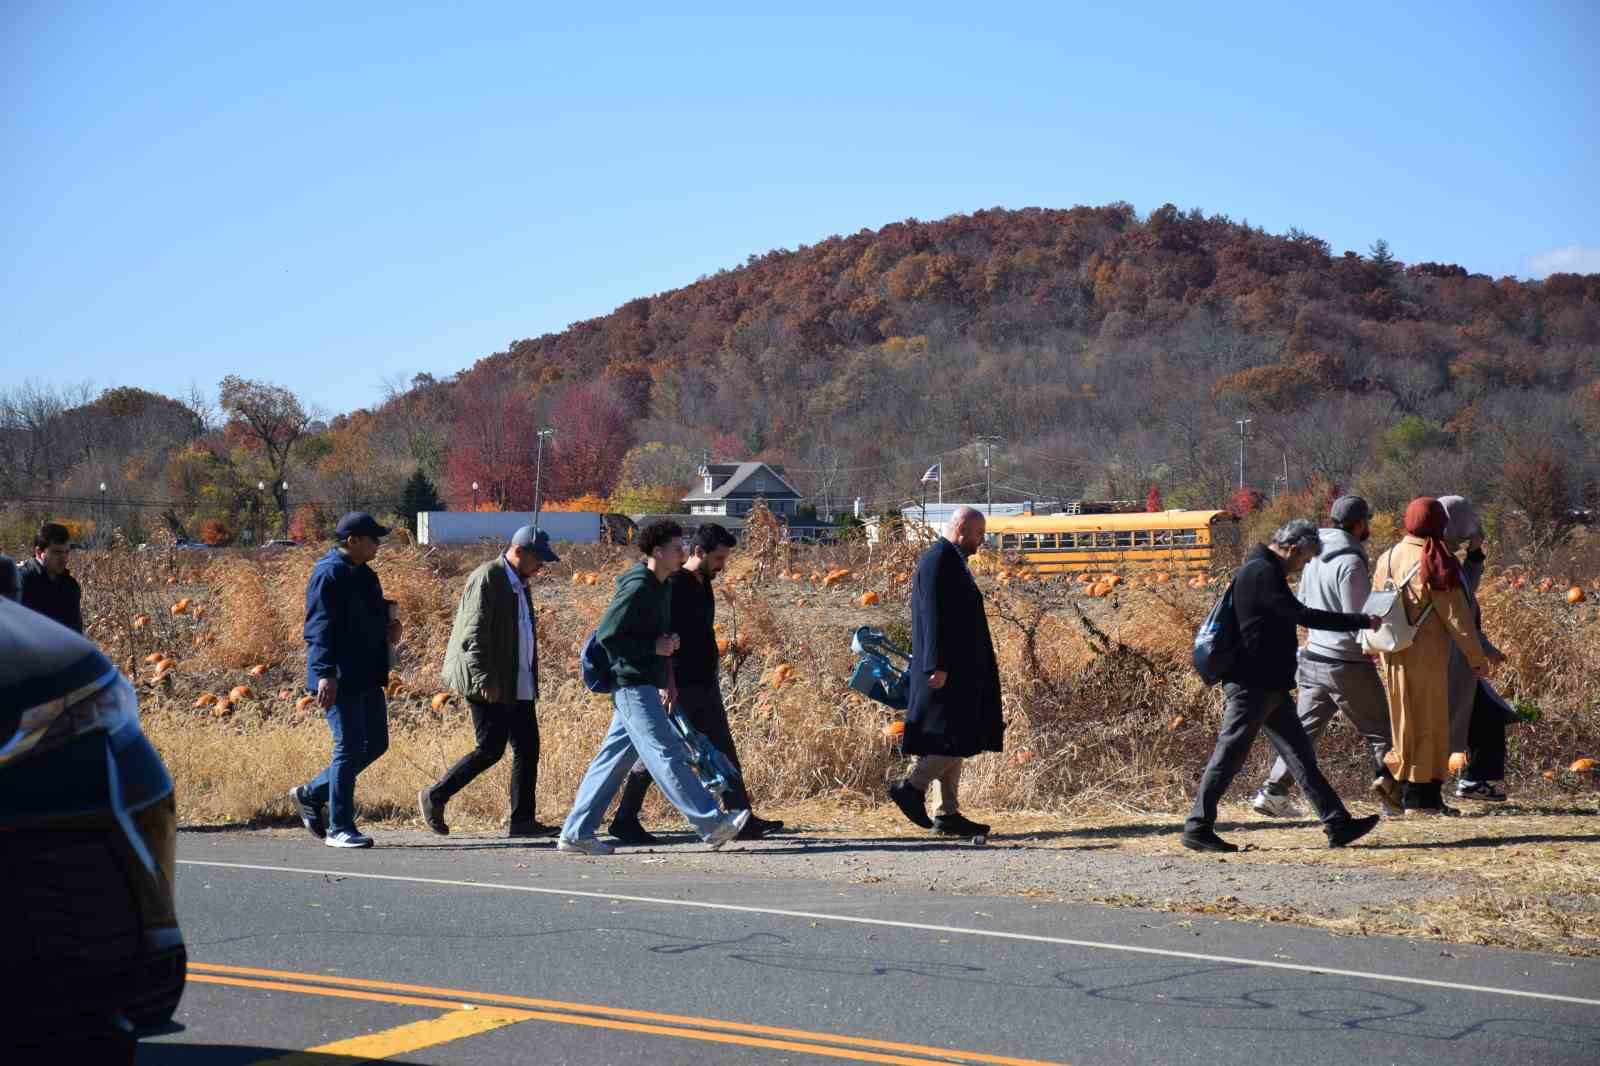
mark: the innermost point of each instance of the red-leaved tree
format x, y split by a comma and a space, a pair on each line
1152, 499
492, 443
593, 433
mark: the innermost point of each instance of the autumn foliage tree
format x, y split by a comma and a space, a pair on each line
593, 434
268, 417
493, 439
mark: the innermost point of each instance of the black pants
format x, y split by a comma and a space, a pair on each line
1486, 741
494, 724
702, 707
1248, 712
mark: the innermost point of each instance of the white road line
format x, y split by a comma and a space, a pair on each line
994, 934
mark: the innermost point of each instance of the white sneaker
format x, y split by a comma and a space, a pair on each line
728, 829
584, 846
346, 838
1271, 805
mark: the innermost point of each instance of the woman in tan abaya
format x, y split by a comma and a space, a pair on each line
1417, 678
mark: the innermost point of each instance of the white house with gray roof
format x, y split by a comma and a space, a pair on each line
728, 489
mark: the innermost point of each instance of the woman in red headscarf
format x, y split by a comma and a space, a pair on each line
1417, 677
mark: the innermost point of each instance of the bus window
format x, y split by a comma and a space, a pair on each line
1047, 541
1163, 538
1103, 539
1030, 542
1183, 536
1141, 538
1124, 539
1067, 541
1008, 542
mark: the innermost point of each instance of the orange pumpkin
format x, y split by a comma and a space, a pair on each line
240, 692
1549, 775
257, 670
205, 699
181, 607
304, 703
155, 657
781, 675
439, 700
723, 644
1547, 584
221, 709
895, 729
868, 599
1575, 594
1458, 762
1582, 766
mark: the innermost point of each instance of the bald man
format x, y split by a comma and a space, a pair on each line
955, 682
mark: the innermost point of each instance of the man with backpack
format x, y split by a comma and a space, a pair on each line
636, 636
695, 666
1256, 683
1335, 674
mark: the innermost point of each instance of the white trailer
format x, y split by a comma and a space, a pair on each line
496, 527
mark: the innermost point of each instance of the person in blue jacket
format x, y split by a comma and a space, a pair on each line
348, 632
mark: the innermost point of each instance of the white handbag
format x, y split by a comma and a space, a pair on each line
1397, 630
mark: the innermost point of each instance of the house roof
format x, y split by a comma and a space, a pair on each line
735, 479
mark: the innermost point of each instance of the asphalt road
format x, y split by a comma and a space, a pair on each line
479, 951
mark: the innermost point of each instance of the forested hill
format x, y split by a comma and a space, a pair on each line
1109, 353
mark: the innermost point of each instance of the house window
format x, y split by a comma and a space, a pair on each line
708, 482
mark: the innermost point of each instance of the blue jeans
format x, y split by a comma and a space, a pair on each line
639, 729
359, 722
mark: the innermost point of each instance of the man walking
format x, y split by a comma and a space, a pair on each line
47, 586
347, 633
954, 711
493, 661
1257, 688
1334, 673
696, 667
636, 634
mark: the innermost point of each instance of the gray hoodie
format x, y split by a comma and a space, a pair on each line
1341, 584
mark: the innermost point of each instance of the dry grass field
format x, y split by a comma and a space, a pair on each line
1108, 727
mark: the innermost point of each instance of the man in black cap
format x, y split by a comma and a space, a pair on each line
493, 661
347, 632
1334, 674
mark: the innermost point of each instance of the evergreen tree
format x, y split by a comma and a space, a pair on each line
1383, 260
418, 494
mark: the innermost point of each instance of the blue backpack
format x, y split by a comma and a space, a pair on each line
596, 664
1216, 643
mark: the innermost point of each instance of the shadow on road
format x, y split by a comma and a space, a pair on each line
239, 1055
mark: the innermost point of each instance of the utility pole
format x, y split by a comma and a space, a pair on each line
1286, 473
988, 446
538, 473
1243, 423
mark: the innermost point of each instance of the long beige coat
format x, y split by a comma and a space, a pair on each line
1418, 678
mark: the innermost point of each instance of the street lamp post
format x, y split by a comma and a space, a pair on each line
538, 472
100, 530
474, 496
283, 486
261, 492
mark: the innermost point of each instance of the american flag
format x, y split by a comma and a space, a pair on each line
933, 474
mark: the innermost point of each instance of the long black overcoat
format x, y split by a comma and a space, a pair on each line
950, 632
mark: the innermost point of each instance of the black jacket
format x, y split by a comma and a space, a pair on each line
57, 598
694, 614
950, 632
1268, 614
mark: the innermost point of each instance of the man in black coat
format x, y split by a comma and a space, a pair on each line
955, 681
1257, 688
47, 586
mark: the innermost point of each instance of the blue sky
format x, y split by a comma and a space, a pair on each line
324, 195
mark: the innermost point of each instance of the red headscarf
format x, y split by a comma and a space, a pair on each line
1426, 518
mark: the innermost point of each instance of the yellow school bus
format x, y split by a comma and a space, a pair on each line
1176, 541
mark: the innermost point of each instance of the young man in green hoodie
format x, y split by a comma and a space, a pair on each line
636, 633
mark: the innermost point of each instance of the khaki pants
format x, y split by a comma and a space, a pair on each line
946, 770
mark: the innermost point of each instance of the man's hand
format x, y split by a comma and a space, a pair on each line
1475, 543
491, 693
1373, 622
666, 645
392, 634
937, 679
327, 692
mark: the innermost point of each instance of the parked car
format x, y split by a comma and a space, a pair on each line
90, 950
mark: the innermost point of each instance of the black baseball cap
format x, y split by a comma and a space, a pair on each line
359, 524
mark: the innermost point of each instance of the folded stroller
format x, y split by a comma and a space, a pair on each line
877, 674
714, 769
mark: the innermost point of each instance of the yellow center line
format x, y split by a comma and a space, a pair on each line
403, 1039
714, 1030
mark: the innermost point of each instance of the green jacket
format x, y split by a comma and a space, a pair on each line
482, 653
640, 612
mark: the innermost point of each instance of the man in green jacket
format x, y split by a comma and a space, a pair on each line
493, 661
636, 633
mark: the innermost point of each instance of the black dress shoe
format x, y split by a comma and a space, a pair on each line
432, 816
532, 829
629, 831
756, 828
913, 803
1207, 840
955, 825
1351, 831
